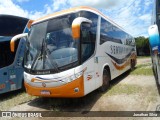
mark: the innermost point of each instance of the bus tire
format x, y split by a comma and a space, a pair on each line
22, 86
133, 63
106, 80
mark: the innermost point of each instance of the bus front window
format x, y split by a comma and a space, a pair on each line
33, 46
51, 46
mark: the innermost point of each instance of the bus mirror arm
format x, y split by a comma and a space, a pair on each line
15, 38
76, 26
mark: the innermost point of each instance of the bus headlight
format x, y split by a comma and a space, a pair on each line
26, 78
69, 79
66, 79
72, 77
79, 74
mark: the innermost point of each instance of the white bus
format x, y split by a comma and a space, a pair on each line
73, 52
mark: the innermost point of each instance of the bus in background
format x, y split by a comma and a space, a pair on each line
11, 70
154, 40
73, 52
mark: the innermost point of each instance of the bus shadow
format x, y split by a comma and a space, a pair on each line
157, 83
67, 104
120, 78
11, 94
158, 87
73, 104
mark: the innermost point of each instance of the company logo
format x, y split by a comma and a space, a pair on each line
89, 77
43, 84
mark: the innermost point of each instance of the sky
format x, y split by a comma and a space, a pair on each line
132, 15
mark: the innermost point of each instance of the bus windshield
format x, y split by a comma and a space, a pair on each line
51, 47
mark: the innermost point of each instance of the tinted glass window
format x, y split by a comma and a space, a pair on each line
51, 46
110, 32
88, 35
11, 25
6, 56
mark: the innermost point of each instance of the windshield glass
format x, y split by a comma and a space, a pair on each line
51, 46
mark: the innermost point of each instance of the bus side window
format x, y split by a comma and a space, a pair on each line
87, 44
10, 55
6, 56
88, 35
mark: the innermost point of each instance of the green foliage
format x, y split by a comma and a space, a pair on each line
142, 45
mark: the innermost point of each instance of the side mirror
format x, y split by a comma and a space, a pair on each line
15, 38
76, 26
154, 37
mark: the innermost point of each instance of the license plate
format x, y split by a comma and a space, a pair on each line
45, 92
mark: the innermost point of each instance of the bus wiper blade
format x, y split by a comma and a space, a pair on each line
46, 55
39, 55
42, 55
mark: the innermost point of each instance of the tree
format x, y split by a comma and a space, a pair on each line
142, 45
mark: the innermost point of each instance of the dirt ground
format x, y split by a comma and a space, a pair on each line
143, 61
133, 93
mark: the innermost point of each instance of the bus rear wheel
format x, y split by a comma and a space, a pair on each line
106, 80
133, 64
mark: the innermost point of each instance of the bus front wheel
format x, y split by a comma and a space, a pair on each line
106, 80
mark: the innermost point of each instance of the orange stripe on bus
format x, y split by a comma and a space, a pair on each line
69, 11
12, 45
118, 67
30, 23
76, 31
121, 67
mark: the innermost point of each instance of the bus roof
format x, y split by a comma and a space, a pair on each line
75, 9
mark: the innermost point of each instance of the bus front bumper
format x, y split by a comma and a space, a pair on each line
72, 89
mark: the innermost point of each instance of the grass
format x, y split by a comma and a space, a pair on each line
8, 102
142, 57
143, 69
123, 89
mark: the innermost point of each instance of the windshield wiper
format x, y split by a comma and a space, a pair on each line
39, 55
46, 54
42, 55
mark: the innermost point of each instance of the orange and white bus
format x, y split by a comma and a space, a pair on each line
74, 52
